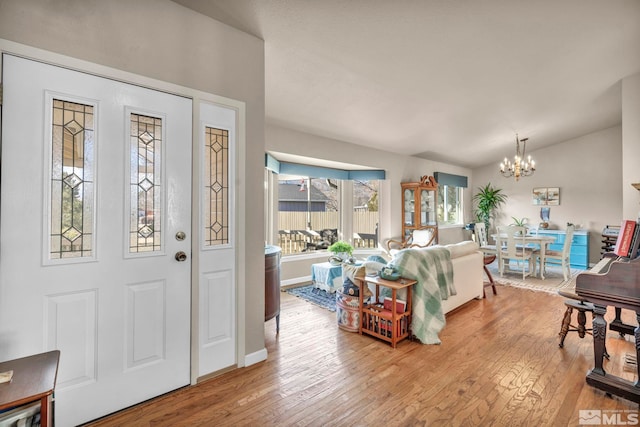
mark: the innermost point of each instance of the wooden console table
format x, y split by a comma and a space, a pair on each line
373, 316
34, 379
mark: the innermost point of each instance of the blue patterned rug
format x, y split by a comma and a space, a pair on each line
315, 296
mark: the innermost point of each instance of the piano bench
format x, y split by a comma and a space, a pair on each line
582, 306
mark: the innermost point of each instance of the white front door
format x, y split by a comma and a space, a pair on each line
95, 212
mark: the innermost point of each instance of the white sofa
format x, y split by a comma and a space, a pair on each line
467, 261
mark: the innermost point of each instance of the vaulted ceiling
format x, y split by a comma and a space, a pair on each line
446, 80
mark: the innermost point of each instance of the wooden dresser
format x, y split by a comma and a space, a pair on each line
272, 284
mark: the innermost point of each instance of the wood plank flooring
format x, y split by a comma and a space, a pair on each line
499, 364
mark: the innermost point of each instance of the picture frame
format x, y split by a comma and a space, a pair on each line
553, 196
546, 196
539, 196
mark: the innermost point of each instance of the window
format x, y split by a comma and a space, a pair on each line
71, 199
310, 213
450, 205
145, 216
450, 202
311, 207
216, 192
365, 213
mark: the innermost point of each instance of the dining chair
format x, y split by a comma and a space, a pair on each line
561, 256
489, 251
511, 245
480, 232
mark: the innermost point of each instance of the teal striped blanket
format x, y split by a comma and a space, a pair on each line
433, 270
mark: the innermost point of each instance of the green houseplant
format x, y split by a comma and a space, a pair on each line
488, 199
520, 222
341, 247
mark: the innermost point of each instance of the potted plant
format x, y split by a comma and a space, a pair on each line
341, 248
488, 199
519, 222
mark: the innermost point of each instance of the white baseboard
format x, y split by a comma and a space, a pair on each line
295, 281
253, 358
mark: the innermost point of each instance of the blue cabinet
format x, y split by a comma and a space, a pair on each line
579, 256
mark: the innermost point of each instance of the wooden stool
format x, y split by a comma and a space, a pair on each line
488, 259
575, 301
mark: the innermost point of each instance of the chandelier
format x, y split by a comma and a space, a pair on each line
519, 167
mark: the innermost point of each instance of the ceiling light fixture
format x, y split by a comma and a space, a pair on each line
519, 167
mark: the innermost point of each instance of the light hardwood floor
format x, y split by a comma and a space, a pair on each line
499, 364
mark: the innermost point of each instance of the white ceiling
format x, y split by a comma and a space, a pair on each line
446, 80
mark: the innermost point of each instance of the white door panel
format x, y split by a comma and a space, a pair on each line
217, 290
121, 314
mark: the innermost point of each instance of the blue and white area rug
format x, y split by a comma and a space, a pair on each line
315, 296
552, 283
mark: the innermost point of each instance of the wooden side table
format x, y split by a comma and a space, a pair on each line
34, 379
387, 325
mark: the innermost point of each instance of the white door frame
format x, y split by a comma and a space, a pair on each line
197, 96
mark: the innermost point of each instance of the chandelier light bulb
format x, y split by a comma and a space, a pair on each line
519, 167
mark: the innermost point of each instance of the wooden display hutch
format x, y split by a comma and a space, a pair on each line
387, 325
419, 203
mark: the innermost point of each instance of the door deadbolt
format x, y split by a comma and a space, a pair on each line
180, 236
181, 256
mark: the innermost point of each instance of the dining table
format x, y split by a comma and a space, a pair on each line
531, 240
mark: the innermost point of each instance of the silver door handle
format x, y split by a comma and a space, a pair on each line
181, 256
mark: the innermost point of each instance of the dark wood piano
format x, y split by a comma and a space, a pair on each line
612, 282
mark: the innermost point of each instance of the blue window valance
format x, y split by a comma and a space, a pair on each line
450, 179
288, 168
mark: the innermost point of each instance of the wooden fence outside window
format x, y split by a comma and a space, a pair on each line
295, 237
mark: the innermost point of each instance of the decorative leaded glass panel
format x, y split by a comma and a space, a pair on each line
146, 184
216, 191
72, 169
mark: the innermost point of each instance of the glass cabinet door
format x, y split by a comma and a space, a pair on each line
419, 207
409, 207
427, 205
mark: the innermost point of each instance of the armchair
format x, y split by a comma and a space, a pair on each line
419, 238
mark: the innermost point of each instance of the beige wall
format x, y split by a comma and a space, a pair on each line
631, 145
164, 41
587, 171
